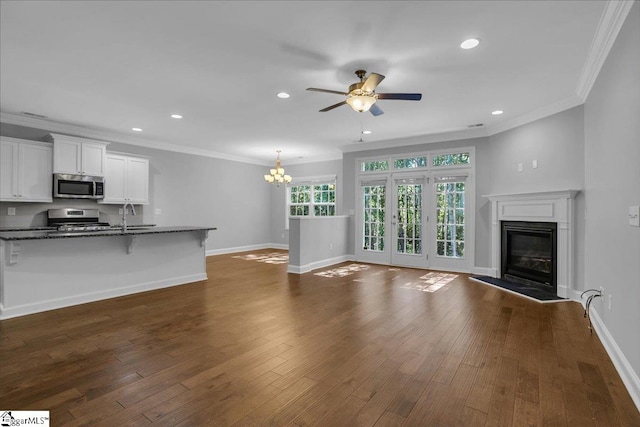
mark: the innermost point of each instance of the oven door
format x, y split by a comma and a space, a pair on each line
77, 186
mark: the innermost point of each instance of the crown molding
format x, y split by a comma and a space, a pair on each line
101, 135
316, 159
613, 16
532, 116
452, 135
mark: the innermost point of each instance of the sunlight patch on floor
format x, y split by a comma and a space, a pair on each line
342, 271
268, 258
431, 282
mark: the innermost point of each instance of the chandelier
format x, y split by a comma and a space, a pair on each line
277, 174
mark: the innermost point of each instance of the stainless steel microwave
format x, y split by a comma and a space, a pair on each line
78, 186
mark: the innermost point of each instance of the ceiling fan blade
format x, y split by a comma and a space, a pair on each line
375, 110
315, 89
402, 96
333, 106
372, 82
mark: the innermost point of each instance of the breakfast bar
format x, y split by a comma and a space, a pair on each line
45, 269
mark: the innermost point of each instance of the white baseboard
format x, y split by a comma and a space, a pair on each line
622, 365
246, 248
483, 271
53, 304
301, 269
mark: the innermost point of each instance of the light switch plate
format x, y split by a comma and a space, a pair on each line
157, 211
534, 164
11, 211
634, 216
519, 167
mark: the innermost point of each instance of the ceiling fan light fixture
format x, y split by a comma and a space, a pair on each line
361, 103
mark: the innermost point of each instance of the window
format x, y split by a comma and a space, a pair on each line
299, 200
410, 163
324, 200
451, 159
450, 199
376, 165
374, 217
315, 197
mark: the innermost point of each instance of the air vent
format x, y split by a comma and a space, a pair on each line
477, 125
37, 116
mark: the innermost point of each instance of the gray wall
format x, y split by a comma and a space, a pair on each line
557, 143
189, 190
612, 182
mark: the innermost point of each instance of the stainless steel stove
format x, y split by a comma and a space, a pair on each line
70, 219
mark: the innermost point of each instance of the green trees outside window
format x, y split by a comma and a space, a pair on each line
450, 219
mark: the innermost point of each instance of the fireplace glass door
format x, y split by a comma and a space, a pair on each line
529, 253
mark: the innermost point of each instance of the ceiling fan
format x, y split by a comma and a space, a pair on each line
362, 97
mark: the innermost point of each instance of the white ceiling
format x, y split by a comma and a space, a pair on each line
111, 66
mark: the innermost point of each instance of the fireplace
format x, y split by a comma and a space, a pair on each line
529, 253
548, 207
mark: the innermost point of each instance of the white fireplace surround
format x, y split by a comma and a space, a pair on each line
547, 206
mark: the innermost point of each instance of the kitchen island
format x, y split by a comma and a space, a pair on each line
44, 269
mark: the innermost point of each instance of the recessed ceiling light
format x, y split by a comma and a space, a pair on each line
497, 112
470, 43
283, 95
366, 132
176, 116
136, 129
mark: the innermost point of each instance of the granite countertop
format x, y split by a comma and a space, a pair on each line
133, 230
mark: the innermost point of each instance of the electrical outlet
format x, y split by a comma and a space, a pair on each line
519, 167
11, 211
120, 211
157, 211
634, 216
534, 164
282, 235
330, 246
609, 302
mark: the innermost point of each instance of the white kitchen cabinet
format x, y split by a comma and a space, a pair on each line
78, 156
26, 170
126, 179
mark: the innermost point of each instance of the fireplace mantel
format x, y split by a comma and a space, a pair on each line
547, 206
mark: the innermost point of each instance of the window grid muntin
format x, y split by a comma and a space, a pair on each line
312, 200
450, 224
451, 159
412, 162
373, 217
374, 165
409, 219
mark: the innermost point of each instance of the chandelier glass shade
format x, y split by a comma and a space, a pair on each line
361, 103
276, 175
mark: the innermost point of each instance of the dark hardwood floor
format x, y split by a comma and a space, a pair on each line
370, 345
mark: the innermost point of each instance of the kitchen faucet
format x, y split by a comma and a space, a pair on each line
124, 214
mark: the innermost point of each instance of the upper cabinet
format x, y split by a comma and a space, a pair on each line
25, 172
78, 156
126, 179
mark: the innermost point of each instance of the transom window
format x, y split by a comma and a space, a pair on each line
410, 162
451, 159
374, 166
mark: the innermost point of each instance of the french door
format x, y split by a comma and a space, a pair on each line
392, 220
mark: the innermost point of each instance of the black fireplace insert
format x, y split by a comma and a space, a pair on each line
529, 253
